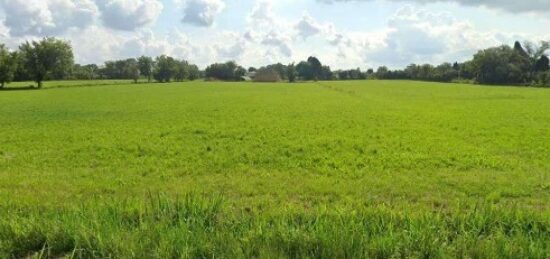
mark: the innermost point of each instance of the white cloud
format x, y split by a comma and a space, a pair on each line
281, 42
129, 14
418, 36
47, 17
513, 6
270, 31
308, 27
202, 12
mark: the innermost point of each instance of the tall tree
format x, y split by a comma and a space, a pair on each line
8, 65
194, 72
131, 69
519, 49
146, 65
291, 73
316, 67
542, 64
165, 68
182, 70
537, 56
501, 65
382, 72
46, 57
305, 71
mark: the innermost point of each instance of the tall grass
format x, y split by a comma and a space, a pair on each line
205, 227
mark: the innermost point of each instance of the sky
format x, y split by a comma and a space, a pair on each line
341, 33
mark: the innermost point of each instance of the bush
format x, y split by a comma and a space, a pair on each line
543, 79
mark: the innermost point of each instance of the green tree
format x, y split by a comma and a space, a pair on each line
542, 64
501, 65
382, 72
291, 73
325, 74
165, 69
182, 71
228, 71
520, 50
86, 72
304, 70
536, 54
132, 69
194, 72
146, 65
47, 57
8, 65
316, 68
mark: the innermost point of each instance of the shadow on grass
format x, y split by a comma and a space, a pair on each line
24, 88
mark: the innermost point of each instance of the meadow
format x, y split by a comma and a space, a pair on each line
348, 169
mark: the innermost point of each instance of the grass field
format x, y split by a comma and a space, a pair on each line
365, 169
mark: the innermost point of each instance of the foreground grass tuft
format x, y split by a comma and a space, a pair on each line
205, 227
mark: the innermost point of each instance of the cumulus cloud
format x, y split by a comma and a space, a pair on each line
108, 45
129, 14
514, 6
416, 35
279, 41
233, 48
270, 31
47, 17
308, 27
202, 12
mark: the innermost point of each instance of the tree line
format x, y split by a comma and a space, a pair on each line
526, 64
53, 59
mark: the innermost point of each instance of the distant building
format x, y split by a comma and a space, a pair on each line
249, 76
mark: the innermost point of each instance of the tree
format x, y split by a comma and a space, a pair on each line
8, 65
316, 67
535, 54
291, 73
194, 72
443, 73
501, 65
382, 72
47, 57
456, 68
239, 73
325, 73
132, 70
86, 72
228, 71
165, 68
182, 71
146, 65
305, 71
542, 64
519, 49
280, 69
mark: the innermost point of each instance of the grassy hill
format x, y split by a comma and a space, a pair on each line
324, 170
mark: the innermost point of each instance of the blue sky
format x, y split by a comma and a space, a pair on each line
342, 33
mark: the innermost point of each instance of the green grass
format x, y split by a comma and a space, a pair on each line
227, 170
68, 83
